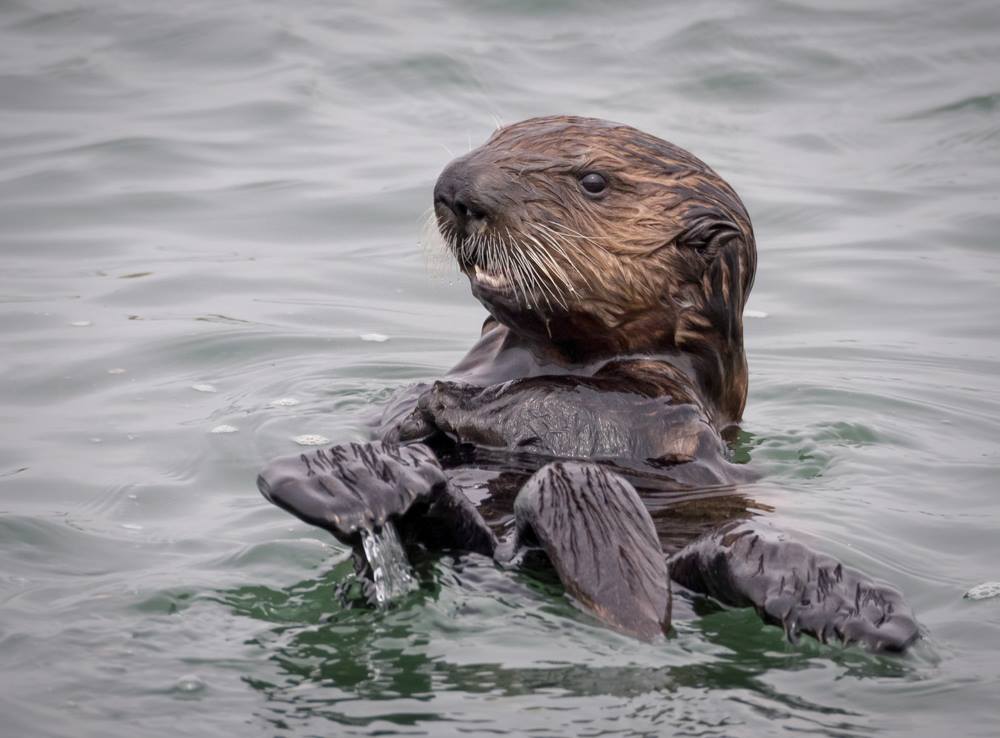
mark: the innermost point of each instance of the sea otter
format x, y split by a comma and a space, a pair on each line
615, 267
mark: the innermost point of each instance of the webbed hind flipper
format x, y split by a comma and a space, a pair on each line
746, 565
601, 541
347, 488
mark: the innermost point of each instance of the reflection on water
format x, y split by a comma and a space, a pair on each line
323, 657
230, 195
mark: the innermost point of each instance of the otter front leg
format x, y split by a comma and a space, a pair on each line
494, 416
744, 564
348, 488
565, 416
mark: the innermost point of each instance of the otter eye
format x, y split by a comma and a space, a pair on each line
593, 183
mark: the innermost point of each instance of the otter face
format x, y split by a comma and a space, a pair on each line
597, 238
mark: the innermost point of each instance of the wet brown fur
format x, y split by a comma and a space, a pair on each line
661, 264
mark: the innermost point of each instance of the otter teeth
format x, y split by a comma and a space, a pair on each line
496, 281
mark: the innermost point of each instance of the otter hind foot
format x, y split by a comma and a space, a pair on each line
601, 542
744, 564
347, 488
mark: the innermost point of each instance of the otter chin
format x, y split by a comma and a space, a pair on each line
592, 239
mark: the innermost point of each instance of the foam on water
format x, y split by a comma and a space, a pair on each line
311, 439
984, 591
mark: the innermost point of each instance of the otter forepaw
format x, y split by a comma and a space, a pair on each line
444, 404
460, 411
415, 427
438, 409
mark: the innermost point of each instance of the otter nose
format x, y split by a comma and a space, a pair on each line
458, 196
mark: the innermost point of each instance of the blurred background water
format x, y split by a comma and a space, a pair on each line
209, 220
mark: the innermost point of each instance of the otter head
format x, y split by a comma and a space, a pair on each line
593, 239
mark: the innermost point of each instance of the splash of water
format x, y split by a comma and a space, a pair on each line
390, 567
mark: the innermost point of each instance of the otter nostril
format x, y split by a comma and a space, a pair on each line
467, 210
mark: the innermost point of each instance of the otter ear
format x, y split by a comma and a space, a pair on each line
708, 231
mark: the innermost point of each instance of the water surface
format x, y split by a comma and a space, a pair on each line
210, 208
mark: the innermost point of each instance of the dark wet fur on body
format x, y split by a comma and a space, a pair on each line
615, 267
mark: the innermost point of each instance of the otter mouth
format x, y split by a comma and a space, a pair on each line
516, 276
493, 282
506, 286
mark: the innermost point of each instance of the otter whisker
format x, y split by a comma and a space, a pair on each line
566, 230
497, 265
483, 254
542, 289
503, 261
561, 240
529, 260
516, 274
552, 268
566, 238
534, 276
509, 269
528, 271
476, 249
545, 266
558, 246
437, 247
545, 278
560, 272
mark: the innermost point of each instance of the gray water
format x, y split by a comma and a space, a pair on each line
209, 210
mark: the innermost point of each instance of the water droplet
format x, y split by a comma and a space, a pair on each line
225, 429
204, 388
311, 439
81, 323
984, 591
116, 370
284, 402
376, 337
390, 567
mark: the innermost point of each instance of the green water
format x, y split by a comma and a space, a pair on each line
206, 207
